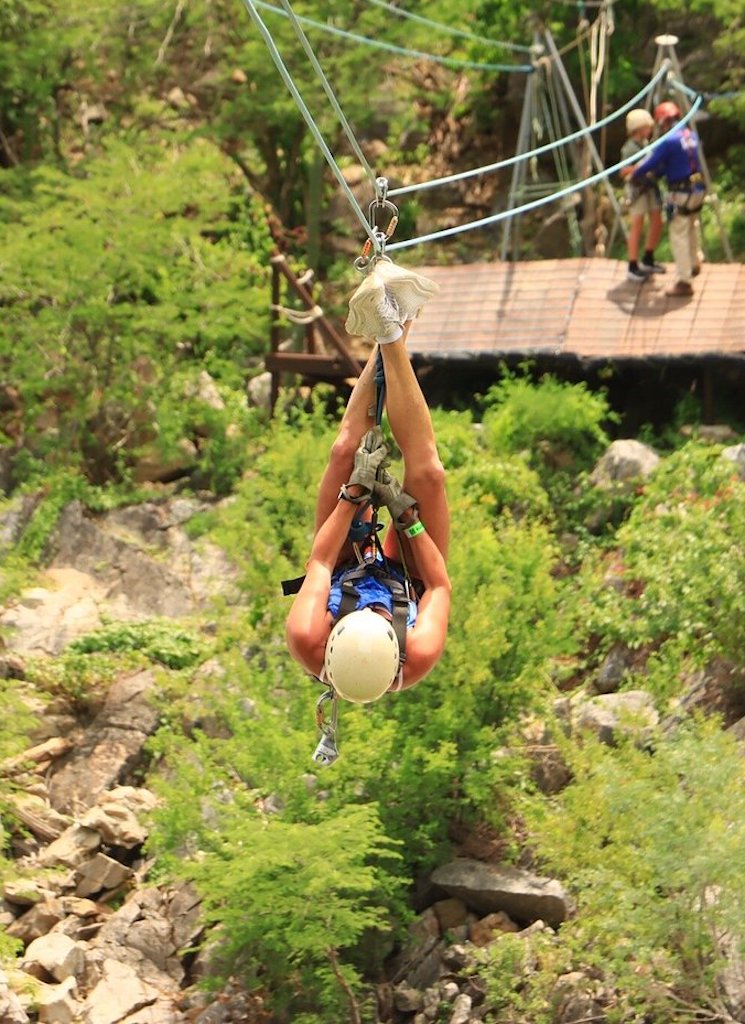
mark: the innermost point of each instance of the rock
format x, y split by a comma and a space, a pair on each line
117, 995
56, 954
11, 1011
15, 517
160, 1012
623, 462
407, 999
26, 892
494, 887
736, 454
482, 932
57, 1003
100, 873
112, 745
614, 667
205, 390
74, 846
116, 816
37, 921
631, 713
450, 913
259, 392
461, 1009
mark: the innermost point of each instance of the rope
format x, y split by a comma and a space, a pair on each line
328, 90
287, 78
392, 48
447, 28
298, 316
379, 388
448, 179
534, 204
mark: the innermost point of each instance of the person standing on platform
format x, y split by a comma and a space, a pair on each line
642, 200
676, 159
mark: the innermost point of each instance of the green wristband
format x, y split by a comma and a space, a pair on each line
415, 529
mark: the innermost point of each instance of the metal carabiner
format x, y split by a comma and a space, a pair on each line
326, 752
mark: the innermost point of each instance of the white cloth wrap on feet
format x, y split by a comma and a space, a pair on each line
385, 300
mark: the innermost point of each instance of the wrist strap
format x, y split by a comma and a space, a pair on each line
415, 529
344, 495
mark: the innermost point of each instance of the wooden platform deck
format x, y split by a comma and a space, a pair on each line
583, 308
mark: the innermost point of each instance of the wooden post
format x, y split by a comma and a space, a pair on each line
334, 339
274, 334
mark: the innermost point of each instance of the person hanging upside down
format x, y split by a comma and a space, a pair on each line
345, 625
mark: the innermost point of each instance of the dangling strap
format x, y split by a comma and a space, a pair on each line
350, 597
379, 388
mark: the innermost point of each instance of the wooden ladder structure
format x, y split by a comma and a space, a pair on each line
310, 363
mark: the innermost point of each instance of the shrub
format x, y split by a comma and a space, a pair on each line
650, 846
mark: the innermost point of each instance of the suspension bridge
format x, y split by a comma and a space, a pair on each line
582, 306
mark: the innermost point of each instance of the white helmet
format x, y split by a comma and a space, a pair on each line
362, 658
639, 118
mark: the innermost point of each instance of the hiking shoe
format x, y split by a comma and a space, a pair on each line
373, 311
653, 268
681, 289
409, 289
636, 274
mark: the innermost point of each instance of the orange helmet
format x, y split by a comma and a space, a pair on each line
667, 111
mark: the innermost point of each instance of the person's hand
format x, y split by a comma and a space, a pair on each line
389, 492
370, 457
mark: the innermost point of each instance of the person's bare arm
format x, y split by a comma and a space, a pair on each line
425, 642
309, 623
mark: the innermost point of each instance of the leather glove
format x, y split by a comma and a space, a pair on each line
370, 457
389, 492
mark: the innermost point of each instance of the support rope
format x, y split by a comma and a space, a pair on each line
328, 90
509, 161
380, 44
449, 29
288, 80
534, 204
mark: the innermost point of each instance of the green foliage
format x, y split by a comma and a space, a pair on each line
80, 678
546, 418
158, 266
681, 568
650, 846
161, 642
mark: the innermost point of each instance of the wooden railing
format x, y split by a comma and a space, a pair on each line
310, 363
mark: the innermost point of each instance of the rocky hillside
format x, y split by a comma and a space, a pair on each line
104, 938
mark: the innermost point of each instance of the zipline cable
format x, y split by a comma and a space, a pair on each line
535, 203
449, 29
545, 148
328, 90
315, 131
380, 44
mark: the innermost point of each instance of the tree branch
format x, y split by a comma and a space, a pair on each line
354, 1009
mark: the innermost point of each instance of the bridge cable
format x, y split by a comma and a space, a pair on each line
251, 6
545, 148
380, 44
535, 203
449, 29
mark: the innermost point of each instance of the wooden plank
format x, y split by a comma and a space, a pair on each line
308, 365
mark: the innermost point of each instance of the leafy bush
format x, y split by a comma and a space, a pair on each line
650, 846
161, 642
550, 419
158, 264
680, 566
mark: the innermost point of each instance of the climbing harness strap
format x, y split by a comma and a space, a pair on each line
350, 597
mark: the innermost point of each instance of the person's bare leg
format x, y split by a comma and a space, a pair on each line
655, 229
356, 421
411, 425
635, 233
